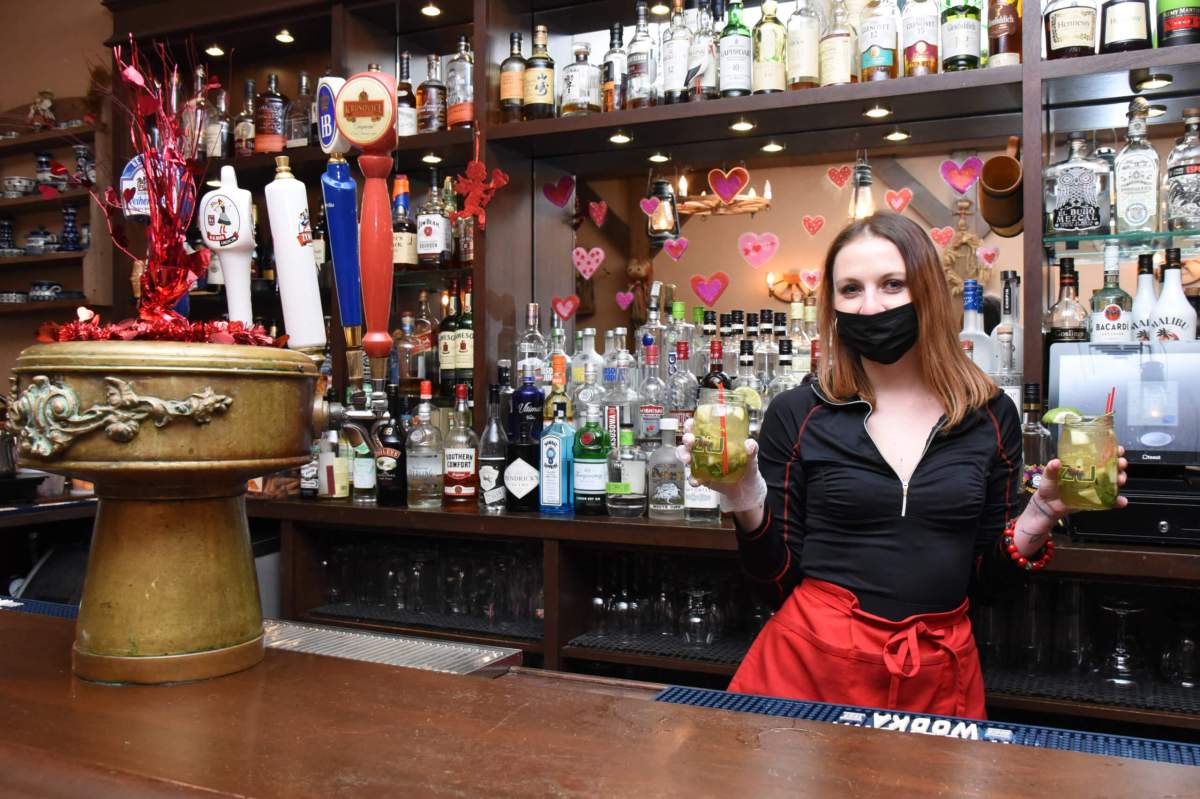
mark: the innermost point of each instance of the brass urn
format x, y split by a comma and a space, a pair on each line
169, 433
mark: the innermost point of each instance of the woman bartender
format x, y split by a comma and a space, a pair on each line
886, 491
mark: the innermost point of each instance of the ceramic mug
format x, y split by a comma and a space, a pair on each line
1001, 203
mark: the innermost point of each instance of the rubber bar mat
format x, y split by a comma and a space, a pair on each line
58, 609
943, 726
458, 622
728, 652
1146, 695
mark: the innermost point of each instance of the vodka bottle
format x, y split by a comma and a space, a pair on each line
766, 349
587, 392
424, 456
665, 477
620, 399
531, 347
1010, 318
625, 494
585, 354
972, 329
683, 388
651, 401
747, 386
786, 376
1183, 176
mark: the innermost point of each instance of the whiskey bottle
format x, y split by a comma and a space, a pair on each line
433, 230
431, 98
1136, 175
1124, 25
878, 41
1183, 176
539, 78
676, 49
217, 131
920, 31
404, 230
769, 66
1004, 33
960, 35
464, 341
406, 99
447, 334
839, 45
1070, 28
581, 84
736, 55
512, 82
269, 115
460, 90
615, 72
298, 122
641, 90
703, 59
243, 126
804, 45
461, 486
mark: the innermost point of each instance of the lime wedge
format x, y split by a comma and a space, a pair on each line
1063, 415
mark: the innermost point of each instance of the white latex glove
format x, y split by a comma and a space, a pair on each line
746, 494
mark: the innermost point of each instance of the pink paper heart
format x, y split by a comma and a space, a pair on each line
810, 278
676, 247
624, 300
898, 200
941, 235
813, 224
961, 177
988, 254
838, 175
727, 185
710, 289
649, 205
565, 307
757, 250
559, 193
587, 261
597, 211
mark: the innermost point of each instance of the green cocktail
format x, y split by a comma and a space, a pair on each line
1087, 447
721, 426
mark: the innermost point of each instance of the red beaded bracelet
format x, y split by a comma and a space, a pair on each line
1025, 563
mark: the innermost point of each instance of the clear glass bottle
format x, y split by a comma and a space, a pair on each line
587, 391
1007, 374
431, 97
586, 354
1183, 176
620, 400
1112, 319
614, 72
699, 353
1136, 175
423, 453
798, 335
786, 377
747, 386
1010, 318
581, 84
652, 400
1004, 33
736, 55
408, 363
1173, 318
879, 41
425, 325
243, 126
804, 45
678, 329
1076, 190
703, 57
434, 238
461, 483
218, 139
1069, 27
298, 123
406, 99
591, 465
557, 348
557, 463
642, 88
539, 78
769, 67
972, 327
921, 32
683, 387
766, 350
493, 455
512, 82
839, 48
665, 477
531, 347
269, 112
1143, 302
676, 48
960, 35
625, 494
1067, 320
1036, 442
195, 116
460, 87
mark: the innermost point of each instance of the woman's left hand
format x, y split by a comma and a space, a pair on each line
1048, 494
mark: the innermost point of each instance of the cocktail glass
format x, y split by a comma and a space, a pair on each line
721, 426
1089, 454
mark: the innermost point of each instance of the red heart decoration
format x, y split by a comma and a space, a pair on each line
838, 175
813, 224
988, 254
710, 289
961, 177
648, 205
624, 300
727, 185
898, 200
127, 195
941, 235
587, 261
560, 193
597, 211
810, 278
757, 250
676, 247
565, 307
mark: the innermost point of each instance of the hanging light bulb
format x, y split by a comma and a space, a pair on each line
862, 203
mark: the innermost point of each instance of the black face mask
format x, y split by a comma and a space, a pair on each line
883, 337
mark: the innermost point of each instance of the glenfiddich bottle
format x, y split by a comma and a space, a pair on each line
960, 35
539, 77
269, 118
1004, 33
512, 82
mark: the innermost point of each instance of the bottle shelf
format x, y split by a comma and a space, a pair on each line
36, 202
46, 140
1090, 247
48, 259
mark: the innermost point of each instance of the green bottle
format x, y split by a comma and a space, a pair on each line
591, 465
736, 54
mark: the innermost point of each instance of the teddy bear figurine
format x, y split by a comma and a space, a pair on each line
640, 272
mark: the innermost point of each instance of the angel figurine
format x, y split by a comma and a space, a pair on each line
959, 260
477, 190
41, 111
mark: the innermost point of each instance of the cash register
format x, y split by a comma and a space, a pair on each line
1156, 417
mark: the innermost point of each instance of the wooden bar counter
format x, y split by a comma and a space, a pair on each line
303, 725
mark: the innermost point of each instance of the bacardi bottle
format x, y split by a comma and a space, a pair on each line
1111, 321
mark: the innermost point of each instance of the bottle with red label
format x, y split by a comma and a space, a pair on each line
460, 92
269, 115
461, 486
652, 399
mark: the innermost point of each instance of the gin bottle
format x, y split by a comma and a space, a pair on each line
1183, 176
591, 465
1077, 191
557, 464
1136, 175
665, 477
625, 494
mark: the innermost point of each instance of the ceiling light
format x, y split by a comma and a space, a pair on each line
620, 138
898, 135
1156, 110
283, 37
214, 50
431, 158
742, 125
877, 111
1144, 80
659, 158
772, 147
430, 10
660, 9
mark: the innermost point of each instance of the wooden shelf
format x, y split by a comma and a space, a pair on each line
46, 140
1126, 561
49, 259
259, 169
1062, 707
452, 146
535, 647
1180, 55
40, 307
38, 202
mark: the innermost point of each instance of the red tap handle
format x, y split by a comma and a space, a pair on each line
375, 253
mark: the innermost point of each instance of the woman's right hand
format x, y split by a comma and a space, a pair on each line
748, 493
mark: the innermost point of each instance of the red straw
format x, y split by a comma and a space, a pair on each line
1112, 398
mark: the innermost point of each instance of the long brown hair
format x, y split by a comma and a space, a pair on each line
961, 386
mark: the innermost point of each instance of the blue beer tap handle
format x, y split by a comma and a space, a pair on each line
338, 190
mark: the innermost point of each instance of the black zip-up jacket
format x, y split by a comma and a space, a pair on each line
836, 511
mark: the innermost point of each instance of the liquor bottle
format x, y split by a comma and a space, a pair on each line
1070, 28
408, 359
298, 121
620, 399
703, 57
527, 404
972, 329
310, 486
786, 376
716, 377
460, 87
652, 399
557, 445
751, 332
434, 241
625, 493
1173, 318
1004, 33
447, 334
725, 330
1036, 443
920, 25
678, 329
521, 471
839, 48
814, 365
343, 458
683, 387
736, 58
584, 355
1010, 319
798, 335
243, 126
581, 84
769, 68
424, 456
960, 35
665, 477
504, 378
1136, 175
217, 130
194, 117
1077, 196
269, 112
406, 99
591, 465
699, 353
557, 393
531, 347
879, 41
461, 485
1178, 22
431, 98
493, 452
1007, 374
464, 340
1124, 25
747, 386
804, 45
615, 71
587, 391
449, 207
391, 470
641, 88
737, 328
676, 48
512, 82
1067, 320
1111, 320
320, 232
404, 230
1183, 176
425, 325
1143, 304
538, 100
766, 350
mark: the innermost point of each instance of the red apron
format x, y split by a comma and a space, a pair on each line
821, 646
